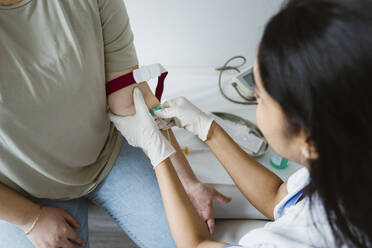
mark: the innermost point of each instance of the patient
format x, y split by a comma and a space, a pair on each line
58, 148
312, 76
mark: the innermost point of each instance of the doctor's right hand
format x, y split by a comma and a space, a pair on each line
186, 115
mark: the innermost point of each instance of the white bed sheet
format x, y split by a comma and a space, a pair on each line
199, 85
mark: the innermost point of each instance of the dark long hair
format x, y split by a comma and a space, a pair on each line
315, 60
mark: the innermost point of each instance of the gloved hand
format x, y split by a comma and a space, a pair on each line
186, 115
140, 130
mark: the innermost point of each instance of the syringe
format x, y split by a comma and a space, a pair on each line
188, 150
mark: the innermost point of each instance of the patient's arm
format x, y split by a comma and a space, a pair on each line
258, 184
17, 209
188, 229
121, 103
202, 196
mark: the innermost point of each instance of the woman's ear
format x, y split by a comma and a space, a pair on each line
308, 149
312, 153
312, 150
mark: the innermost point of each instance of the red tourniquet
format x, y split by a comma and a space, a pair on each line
128, 79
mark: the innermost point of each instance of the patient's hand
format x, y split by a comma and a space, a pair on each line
202, 196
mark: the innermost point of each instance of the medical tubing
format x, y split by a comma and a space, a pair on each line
226, 67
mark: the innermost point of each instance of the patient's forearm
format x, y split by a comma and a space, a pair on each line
180, 163
259, 185
16, 209
188, 229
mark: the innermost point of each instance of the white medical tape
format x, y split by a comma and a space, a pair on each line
148, 72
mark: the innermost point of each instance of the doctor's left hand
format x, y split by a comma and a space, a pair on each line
140, 130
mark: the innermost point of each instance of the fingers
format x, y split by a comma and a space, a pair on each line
139, 101
211, 226
166, 104
175, 102
207, 216
70, 233
74, 237
67, 244
71, 220
221, 198
166, 113
170, 107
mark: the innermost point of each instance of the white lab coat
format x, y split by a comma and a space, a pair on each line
294, 225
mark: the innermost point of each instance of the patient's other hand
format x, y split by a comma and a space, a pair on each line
202, 196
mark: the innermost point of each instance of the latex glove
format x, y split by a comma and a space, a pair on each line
140, 130
186, 115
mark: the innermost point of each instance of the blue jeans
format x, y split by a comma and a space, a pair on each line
130, 194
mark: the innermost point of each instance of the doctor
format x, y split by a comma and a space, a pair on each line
313, 75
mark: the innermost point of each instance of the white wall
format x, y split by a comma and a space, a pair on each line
197, 32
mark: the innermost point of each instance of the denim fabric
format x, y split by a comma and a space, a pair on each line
130, 194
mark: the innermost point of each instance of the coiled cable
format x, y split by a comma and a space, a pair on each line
227, 67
